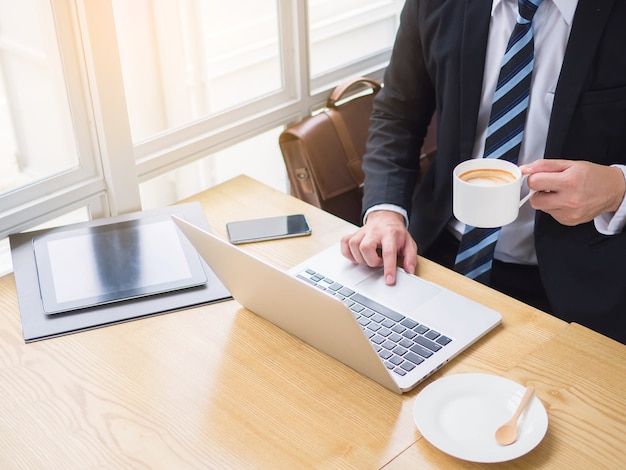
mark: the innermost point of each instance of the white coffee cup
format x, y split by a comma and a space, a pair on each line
486, 192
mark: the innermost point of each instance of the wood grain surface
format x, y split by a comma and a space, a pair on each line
219, 387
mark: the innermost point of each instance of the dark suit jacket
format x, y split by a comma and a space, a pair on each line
437, 65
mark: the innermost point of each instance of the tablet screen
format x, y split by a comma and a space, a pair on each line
96, 265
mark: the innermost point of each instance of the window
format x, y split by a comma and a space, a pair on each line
350, 32
111, 106
35, 123
258, 156
46, 144
184, 61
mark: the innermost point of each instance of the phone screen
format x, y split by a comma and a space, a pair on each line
271, 228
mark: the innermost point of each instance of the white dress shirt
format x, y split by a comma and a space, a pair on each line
552, 24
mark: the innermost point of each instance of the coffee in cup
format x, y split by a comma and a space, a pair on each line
486, 192
487, 177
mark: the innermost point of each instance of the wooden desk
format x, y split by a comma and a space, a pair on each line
218, 387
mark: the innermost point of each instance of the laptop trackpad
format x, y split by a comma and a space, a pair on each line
404, 296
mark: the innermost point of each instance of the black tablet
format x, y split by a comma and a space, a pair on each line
85, 267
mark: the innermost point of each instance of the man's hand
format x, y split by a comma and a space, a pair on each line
381, 241
574, 192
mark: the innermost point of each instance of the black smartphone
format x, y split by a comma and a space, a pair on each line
270, 228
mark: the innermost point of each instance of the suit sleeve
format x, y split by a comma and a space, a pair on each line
400, 117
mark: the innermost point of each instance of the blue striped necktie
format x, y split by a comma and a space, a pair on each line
504, 134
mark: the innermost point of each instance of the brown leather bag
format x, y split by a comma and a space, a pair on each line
323, 152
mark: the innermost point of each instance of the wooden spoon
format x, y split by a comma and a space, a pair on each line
507, 433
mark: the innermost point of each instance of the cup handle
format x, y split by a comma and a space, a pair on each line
527, 197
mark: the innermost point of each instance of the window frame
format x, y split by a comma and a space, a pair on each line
111, 165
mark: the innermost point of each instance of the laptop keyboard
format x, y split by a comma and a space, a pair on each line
401, 342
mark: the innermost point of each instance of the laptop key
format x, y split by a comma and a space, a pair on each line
409, 323
397, 360
359, 308
369, 303
427, 343
347, 292
385, 354
395, 337
367, 313
384, 332
409, 334
377, 339
421, 329
414, 358
432, 334
443, 340
422, 351
378, 318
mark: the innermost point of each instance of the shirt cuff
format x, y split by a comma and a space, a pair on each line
387, 207
611, 223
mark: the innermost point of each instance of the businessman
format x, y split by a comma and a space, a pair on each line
566, 252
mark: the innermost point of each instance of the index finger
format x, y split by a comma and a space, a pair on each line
545, 166
548, 175
389, 254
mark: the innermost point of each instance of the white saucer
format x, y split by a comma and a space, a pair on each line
459, 414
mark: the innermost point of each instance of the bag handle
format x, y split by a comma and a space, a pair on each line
354, 160
341, 89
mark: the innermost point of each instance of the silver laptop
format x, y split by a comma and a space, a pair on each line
396, 335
